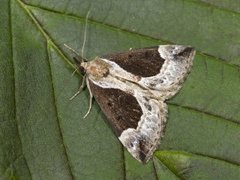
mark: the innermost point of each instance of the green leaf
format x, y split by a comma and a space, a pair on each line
43, 134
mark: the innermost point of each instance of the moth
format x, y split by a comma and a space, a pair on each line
131, 88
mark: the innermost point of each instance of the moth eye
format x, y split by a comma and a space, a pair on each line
82, 70
131, 144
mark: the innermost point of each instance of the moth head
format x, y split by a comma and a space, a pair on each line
135, 145
176, 52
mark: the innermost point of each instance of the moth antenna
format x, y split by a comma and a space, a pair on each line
85, 34
75, 59
80, 88
71, 49
90, 100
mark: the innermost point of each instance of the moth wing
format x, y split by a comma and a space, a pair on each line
122, 109
161, 69
132, 93
137, 120
175, 69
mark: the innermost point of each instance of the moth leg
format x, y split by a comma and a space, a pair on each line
80, 88
90, 100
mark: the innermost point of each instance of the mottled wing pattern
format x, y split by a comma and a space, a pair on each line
176, 67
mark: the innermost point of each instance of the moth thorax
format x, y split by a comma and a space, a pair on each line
96, 68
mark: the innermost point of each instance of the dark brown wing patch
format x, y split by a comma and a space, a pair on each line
142, 62
121, 108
